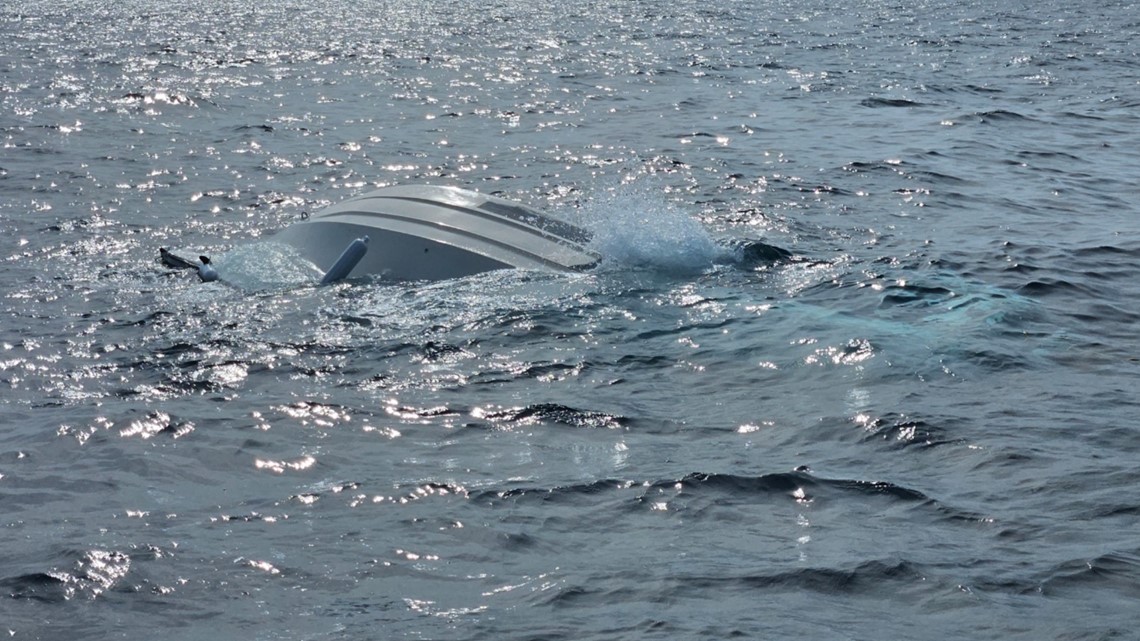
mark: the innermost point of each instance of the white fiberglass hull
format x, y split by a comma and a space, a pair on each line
421, 232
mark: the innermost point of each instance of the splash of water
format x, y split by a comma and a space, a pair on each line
265, 265
637, 226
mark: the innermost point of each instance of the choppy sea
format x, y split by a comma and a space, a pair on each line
860, 361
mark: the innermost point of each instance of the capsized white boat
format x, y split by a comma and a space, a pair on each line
425, 232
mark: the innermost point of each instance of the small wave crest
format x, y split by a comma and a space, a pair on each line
93, 573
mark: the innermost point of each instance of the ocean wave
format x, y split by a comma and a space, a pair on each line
795, 486
546, 413
88, 574
865, 577
891, 102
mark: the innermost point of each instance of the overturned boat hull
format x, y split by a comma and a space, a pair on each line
423, 232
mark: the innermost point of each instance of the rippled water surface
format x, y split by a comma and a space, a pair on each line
860, 362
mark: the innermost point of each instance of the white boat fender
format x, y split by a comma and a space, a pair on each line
206, 271
347, 261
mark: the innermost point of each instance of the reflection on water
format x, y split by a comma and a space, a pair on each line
863, 349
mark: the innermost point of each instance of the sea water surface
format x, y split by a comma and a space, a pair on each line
860, 362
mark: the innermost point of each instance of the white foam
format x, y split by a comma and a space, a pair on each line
638, 226
265, 265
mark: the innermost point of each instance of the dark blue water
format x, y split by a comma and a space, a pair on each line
860, 363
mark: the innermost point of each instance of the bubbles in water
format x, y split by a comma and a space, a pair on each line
635, 225
265, 265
